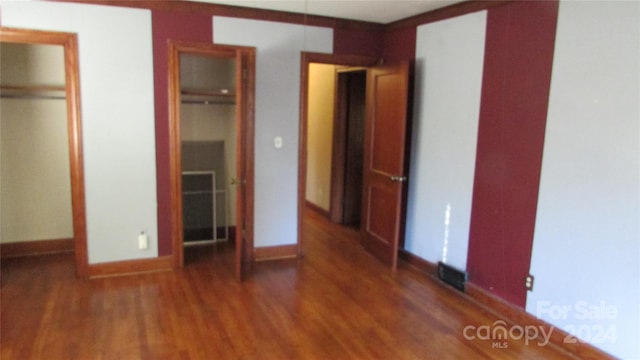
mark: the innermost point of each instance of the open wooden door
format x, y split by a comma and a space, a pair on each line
245, 77
384, 160
348, 146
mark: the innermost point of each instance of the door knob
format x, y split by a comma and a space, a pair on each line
238, 182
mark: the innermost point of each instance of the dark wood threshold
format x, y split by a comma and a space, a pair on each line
131, 267
510, 313
39, 247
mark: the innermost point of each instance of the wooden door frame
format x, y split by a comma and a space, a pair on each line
339, 143
306, 59
245, 60
69, 42
245, 121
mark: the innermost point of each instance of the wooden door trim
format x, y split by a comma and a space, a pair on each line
306, 59
339, 149
69, 42
339, 143
245, 130
245, 121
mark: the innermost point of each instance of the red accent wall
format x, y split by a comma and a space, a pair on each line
517, 75
400, 44
199, 28
165, 26
357, 42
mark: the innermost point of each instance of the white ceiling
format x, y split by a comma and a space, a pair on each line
378, 11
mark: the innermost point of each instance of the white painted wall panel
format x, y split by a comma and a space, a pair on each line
277, 114
448, 84
116, 80
586, 249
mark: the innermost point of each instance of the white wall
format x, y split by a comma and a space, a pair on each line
277, 114
586, 249
116, 80
320, 133
448, 82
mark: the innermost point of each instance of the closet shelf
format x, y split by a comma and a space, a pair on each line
205, 96
33, 92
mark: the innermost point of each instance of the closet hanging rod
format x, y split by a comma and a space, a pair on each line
204, 92
34, 88
207, 102
33, 92
32, 96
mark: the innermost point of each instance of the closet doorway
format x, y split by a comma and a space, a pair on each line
43, 206
212, 148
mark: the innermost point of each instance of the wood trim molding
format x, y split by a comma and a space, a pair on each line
339, 148
419, 263
245, 160
39, 247
518, 316
313, 207
69, 41
508, 312
445, 13
130, 267
245, 122
275, 252
175, 164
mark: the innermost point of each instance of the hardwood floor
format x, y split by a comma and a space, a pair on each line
336, 303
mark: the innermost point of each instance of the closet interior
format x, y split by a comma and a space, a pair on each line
208, 148
35, 200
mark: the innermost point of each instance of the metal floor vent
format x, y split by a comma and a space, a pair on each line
452, 276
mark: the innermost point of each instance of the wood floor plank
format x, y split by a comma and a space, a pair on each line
335, 303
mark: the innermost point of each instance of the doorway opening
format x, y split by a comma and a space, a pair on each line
333, 97
212, 140
335, 141
348, 147
43, 206
380, 178
208, 148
